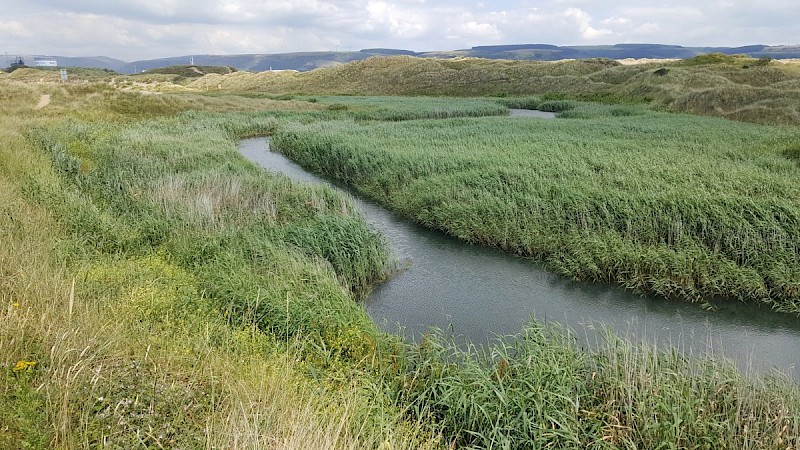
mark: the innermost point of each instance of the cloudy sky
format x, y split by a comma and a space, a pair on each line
144, 29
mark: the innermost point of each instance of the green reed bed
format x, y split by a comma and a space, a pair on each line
407, 108
675, 205
263, 246
549, 105
539, 389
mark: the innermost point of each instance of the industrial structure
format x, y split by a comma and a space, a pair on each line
44, 61
38, 61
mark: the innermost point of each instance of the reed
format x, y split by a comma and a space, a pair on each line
408, 108
539, 389
674, 205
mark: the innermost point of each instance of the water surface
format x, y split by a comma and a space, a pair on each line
479, 293
531, 113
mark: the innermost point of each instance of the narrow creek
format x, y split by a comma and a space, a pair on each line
478, 293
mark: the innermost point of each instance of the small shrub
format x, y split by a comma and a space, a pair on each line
763, 61
714, 58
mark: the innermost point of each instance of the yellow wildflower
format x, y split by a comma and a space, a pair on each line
15, 304
22, 366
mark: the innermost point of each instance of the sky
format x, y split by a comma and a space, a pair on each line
137, 29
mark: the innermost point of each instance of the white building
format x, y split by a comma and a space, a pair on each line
41, 61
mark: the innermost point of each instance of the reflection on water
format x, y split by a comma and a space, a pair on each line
531, 113
478, 293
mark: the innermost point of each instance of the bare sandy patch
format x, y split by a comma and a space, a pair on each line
634, 61
44, 100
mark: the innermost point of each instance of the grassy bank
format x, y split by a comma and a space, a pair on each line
159, 291
544, 391
674, 205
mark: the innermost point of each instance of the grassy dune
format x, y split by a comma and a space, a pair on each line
156, 290
732, 87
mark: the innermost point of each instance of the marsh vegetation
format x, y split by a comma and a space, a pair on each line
158, 290
679, 206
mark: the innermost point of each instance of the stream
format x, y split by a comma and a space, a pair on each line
478, 293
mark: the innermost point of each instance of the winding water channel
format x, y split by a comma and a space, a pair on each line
478, 293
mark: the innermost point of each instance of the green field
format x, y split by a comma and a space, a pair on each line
159, 291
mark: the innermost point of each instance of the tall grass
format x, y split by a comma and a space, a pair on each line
26, 279
156, 290
406, 108
538, 389
667, 204
143, 305
126, 172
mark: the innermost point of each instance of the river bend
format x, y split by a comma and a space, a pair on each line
478, 293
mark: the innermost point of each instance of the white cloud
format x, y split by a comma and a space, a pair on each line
647, 29
583, 21
15, 29
135, 29
402, 23
616, 21
481, 30
664, 13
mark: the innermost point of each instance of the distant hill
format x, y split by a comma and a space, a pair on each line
94, 62
304, 61
543, 52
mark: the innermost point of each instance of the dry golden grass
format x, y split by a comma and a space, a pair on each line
35, 323
678, 87
110, 100
269, 411
634, 61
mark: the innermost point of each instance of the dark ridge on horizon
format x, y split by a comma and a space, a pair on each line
304, 61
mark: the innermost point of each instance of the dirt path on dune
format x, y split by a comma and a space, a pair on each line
44, 100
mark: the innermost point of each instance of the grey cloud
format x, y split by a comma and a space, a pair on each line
132, 29
202, 11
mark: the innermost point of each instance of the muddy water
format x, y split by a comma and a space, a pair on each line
478, 293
